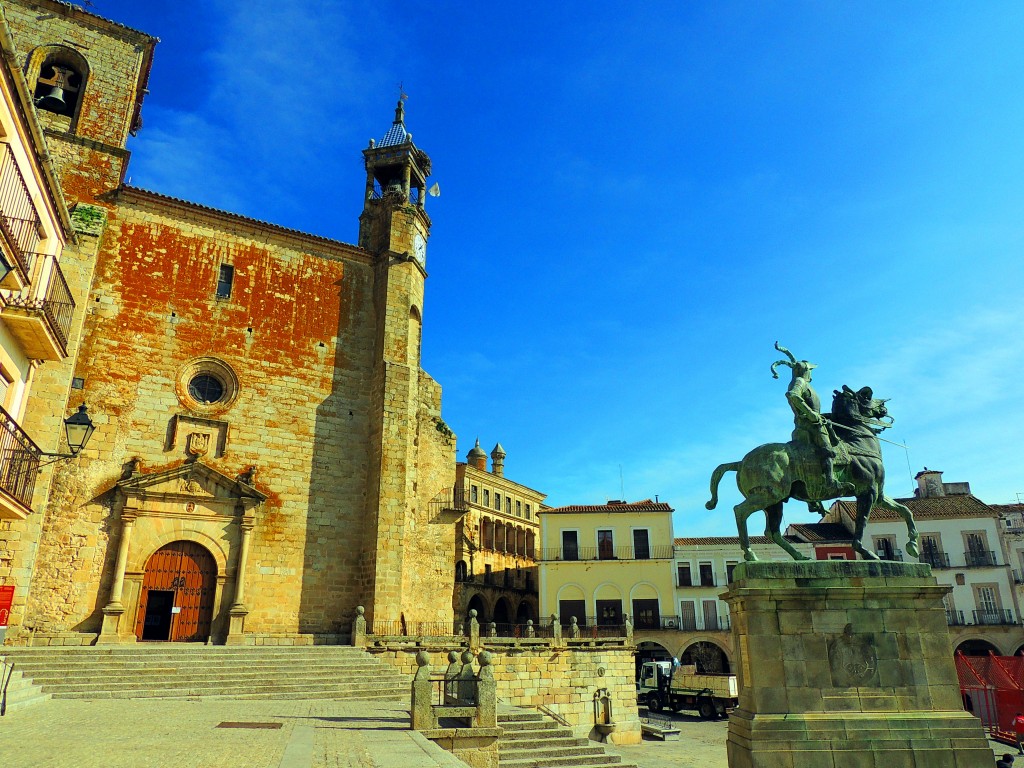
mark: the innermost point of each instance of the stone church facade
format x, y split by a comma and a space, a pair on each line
268, 454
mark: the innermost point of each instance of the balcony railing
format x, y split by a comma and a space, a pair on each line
450, 501
1018, 576
689, 623
955, 618
980, 559
990, 617
19, 461
57, 306
657, 552
935, 559
19, 221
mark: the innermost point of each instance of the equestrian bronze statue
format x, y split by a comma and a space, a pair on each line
829, 457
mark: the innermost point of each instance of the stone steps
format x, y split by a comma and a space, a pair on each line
19, 692
532, 740
166, 671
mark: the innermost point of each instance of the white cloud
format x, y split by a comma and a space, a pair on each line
284, 79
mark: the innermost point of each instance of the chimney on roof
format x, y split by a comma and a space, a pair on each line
929, 484
498, 461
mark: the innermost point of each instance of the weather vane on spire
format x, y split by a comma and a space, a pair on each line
402, 95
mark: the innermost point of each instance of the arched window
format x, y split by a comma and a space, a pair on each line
461, 572
415, 335
58, 74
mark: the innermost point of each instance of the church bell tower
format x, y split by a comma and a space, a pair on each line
393, 228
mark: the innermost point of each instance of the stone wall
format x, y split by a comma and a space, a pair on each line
543, 673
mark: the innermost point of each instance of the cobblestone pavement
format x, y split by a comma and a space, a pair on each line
140, 733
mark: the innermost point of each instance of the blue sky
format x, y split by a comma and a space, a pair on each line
637, 202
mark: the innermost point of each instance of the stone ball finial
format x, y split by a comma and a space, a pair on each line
467, 657
486, 658
453, 656
360, 610
472, 613
573, 620
423, 659
529, 622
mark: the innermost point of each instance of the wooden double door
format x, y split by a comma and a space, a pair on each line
178, 592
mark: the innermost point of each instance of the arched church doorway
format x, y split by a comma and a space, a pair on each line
178, 591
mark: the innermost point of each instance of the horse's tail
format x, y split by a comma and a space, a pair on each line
716, 478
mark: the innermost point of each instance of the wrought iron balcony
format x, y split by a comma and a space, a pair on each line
43, 325
690, 624
653, 552
992, 617
19, 466
955, 618
980, 559
19, 222
935, 559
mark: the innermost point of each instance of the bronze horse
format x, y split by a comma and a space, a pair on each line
772, 474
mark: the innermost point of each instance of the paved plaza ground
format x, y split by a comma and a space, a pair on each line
141, 733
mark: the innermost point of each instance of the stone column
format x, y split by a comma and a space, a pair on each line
238, 612
473, 629
113, 611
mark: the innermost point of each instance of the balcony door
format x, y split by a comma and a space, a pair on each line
710, 614
605, 545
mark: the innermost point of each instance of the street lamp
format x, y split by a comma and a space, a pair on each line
79, 428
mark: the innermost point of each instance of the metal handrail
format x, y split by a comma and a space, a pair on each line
980, 559
935, 559
652, 552
415, 628
994, 617
6, 673
19, 460
955, 618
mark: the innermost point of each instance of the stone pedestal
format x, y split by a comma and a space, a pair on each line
110, 633
846, 664
236, 625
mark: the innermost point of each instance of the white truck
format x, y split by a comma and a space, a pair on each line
659, 687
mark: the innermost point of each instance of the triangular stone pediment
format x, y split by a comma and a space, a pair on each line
192, 480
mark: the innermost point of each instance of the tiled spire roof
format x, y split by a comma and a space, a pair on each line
397, 133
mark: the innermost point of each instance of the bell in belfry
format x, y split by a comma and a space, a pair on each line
55, 89
53, 101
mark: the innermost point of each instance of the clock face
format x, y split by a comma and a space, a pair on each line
419, 249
